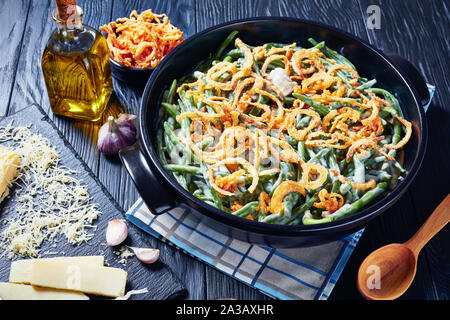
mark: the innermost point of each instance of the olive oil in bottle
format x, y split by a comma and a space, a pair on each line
75, 64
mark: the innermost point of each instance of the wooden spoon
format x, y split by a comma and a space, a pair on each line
389, 271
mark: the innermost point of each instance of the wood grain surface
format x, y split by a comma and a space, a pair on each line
417, 30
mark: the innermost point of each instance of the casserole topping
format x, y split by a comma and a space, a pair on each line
282, 134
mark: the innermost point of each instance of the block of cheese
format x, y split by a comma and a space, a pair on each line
21, 270
15, 291
9, 164
105, 281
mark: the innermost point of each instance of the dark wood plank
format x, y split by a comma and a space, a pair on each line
210, 13
341, 14
127, 98
14, 19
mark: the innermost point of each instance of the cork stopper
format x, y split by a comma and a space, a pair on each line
64, 8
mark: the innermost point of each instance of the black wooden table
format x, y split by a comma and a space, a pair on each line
417, 30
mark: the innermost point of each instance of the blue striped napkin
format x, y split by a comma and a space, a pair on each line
299, 273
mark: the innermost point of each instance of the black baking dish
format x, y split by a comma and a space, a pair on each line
162, 193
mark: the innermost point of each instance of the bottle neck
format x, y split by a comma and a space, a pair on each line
71, 36
72, 19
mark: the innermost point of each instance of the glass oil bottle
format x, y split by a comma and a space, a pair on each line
75, 64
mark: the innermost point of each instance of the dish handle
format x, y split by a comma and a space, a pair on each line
150, 189
413, 75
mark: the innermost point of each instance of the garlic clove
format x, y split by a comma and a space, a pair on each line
116, 232
117, 134
146, 255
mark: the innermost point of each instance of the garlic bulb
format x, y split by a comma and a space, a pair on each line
146, 255
117, 134
116, 232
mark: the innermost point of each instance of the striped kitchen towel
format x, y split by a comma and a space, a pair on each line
298, 273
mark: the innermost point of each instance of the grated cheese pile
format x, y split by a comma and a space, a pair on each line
49, 202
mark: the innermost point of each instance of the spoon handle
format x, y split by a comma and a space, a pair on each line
435, 222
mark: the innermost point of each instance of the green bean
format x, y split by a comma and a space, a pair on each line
205, 65
235, 53
389, 98
366, 85
277, 64
333, 54
289, 202
335, 186
181, 180
319, 155
276, 45
183, 169
360, 170
271, 218
171, 148
290, 140
249, 208
319, 45
299, 211
206, 143
192, 102
284, 172
204, 198
227, 59
170, 109
161, 152
383, 176
198, 74
348, 209
256, 67
171, 93
224, 45
321, 109
332, 161
217, 201
171, 135
301, 150
303, 122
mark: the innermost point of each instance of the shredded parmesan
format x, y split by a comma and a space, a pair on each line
124, 253
49, 200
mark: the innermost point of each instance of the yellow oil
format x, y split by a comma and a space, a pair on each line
79, 83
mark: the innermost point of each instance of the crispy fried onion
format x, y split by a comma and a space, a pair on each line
300, 134
340, 117
313, 176
247, 54
355, 185
264, 201
287, 153
352, 71
275, 57
250, 169
330, 202
219, 70
306, 61
334, 140
407, 136
286, 187
229, 182
199, 114
361, 147
318, 81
